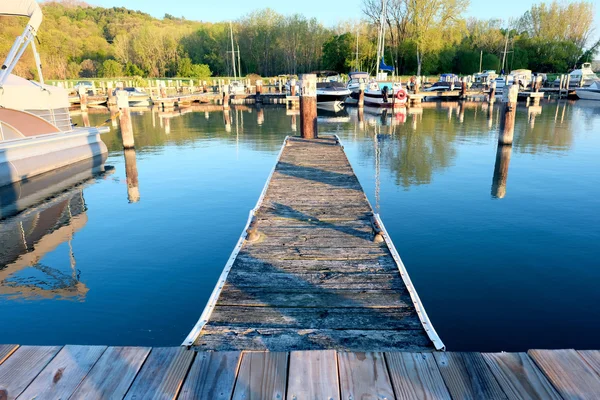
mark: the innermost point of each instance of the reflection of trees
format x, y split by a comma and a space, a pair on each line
546, 134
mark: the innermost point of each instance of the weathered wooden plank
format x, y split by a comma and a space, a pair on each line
375, 265
467, 376
309, 240
519, 377
17, 372
313, 375
6, 350
112, 375
337, 298
570, 375
324, 317
162, 375
317, 253
63, 374
416, 376
261, 376
592, 357
212, 376
325, 280
280, 339
347, 226
364, 376
277, 191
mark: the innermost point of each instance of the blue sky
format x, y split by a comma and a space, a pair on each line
327, 11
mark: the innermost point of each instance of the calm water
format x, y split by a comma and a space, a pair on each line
499, 265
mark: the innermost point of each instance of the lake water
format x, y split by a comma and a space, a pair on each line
499, 264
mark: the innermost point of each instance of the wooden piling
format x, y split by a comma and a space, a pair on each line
125, 120
131, 172
492, 96
507, 121
293, 120
258, 90
361, 96
227, 119
83, 98
225, 98
308, 106
463, 89
292, 87
260, 115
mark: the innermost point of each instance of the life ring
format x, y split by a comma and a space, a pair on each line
401, 95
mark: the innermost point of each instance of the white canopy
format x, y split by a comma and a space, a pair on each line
25, 8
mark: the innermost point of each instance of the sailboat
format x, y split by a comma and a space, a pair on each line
384, 94
236, 86
355, 80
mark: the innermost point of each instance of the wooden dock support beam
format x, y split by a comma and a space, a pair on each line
125, 120
258, 90
507, 121
492, 95
83, 99
361, 96
308, 106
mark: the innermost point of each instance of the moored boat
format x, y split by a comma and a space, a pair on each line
36, 134
356, 79
591, 92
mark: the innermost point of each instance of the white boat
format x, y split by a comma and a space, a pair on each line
585, 74
137, 97
591, 92
36, 134
331, 93
356, 79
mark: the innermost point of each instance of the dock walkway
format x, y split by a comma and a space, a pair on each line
100, 372
315, 277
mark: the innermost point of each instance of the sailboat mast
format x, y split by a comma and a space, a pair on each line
239, 63
232, 50
357, 32
505, 49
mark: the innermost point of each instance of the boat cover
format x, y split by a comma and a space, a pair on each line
25, 8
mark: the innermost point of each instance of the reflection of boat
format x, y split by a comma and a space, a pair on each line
329, 116
591, 92
36, 134
27, 237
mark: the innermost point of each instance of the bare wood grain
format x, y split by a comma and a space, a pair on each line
261, 376
313, 375
113, 374
17, 372
519, 377
592, 357
212, 376
568, 372
6, 350
364, 376
162, 375
63, 374
416, 376
467, 376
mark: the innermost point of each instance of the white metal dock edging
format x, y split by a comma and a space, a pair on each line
423, 317
212, 301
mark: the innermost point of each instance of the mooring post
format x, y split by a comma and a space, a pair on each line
463, 88
258, 90
82, 98
86, 119
293, 122
492, 97
280, 86
227, 119
507, 121
308, 106
417, 84
131, 172
292, 87
125, 119
225, 97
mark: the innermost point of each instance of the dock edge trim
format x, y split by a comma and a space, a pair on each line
423, 317
212, 301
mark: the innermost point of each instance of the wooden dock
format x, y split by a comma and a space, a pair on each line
314, 269
101, 372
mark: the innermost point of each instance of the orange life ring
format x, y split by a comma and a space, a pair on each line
401, 95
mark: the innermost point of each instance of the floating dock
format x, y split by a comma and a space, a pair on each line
314, 268
100, 372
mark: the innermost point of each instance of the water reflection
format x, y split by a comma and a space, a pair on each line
500, 177
131, 172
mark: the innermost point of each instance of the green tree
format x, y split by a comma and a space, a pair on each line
337, 53
111, 69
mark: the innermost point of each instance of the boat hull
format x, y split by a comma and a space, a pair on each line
23, 158
332, 100
588, 94
375, 99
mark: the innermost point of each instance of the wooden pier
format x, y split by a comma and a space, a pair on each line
315, 268
100, 372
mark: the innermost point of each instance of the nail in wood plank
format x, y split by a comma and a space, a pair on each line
6, 350
261, 376
592, 357
568, 372
112, 375
162, 375
313, 375
519, 377
17, 372
364, 376
416, 376
212, 376
467, 376
63, 374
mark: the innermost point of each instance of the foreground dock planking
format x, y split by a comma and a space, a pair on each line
311, 274
100, 372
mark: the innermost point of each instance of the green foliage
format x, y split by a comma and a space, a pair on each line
185, 67
111, 69
337, 53
133, 70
